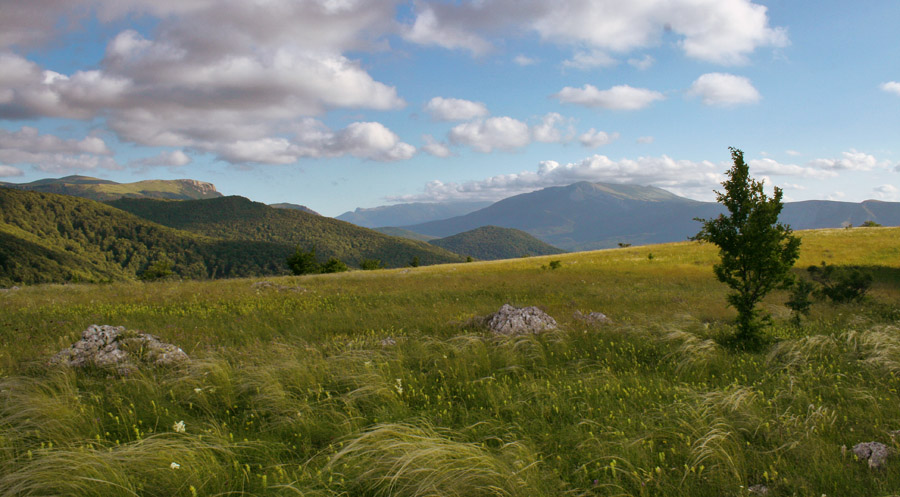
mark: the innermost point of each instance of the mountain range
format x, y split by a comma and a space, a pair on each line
404, 214
587, 216
102, 190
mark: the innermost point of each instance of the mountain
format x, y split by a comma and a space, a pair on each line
239, 219
492, 243
585, 216
406, 214
102, 190
296, 207
402, 233
50, 238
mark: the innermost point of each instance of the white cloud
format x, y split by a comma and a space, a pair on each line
643, 63
454, 109
644, 140
770, 166
9, 171
523, 60
371, 140
851, 161
719, 31
593, 138
621, 97
486, 135
549, 131
435, 148
891, 87
724, 90
682, 177
886, 192
173, 158
793, 153
30, 140
590, 60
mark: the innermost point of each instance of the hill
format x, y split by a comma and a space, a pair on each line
402, 233
102, 190
239, 219
298, 207
492, 243
585, 216
47, 238
406, 214
385, 383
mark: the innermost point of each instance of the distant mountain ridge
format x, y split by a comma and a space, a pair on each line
492, 243
406, 214
587, 216
240, 219
297, 207
103, 190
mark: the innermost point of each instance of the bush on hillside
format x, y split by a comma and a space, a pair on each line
334, 265
304, 262
369, 264
841, 284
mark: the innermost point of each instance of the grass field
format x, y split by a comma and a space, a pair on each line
291, 391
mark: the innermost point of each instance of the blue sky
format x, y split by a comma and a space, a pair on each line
338, 104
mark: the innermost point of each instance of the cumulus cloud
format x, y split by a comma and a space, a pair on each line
486, 135
642, 63
891, 87
435, 148
724, 90
850, 161
593, 138
173, 158
454, 109
644, 140
51, 153
680, 176
371, 140
621, 97
719, 31
190, 87
590, 60
9, 171
770, 166
553, 128
523, 60
886, 191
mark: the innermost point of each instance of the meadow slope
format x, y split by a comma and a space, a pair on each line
294, 389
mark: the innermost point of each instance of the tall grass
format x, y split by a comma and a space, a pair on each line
293, 388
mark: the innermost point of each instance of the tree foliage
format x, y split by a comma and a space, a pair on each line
304, 262
757, 252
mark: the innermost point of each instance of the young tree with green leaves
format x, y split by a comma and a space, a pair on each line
757, 252
304, 262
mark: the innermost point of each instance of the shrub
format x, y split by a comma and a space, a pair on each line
334, 265
555, 264
870, 224
801, 299
369, 264
304, 262
414, 262
161, 269
841, 284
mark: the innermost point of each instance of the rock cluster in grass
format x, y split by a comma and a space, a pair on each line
758, 489
593, 318
114, 347
513, 321
874, 452
268, 285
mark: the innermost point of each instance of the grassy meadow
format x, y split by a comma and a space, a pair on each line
294, 389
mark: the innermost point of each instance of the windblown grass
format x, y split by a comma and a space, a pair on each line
293, 389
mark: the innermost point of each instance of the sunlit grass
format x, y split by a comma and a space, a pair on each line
292, 391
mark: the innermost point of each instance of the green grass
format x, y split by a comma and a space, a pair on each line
291, 392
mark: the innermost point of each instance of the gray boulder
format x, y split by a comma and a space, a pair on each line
114, 347
875, 452
513, 321
593, 318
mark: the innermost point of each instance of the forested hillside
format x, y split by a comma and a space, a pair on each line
237, 218
492, 243
56, 238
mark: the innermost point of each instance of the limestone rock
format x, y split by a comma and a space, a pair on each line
875, 452
114, 347
593, 318
512, 321
759, 489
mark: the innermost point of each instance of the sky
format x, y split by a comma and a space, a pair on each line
339, 104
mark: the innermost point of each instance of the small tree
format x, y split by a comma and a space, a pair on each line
757, 252
304, 262
369, 264
334, 265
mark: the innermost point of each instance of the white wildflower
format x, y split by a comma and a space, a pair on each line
399, 386
198, 390
178, 427
174, 465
